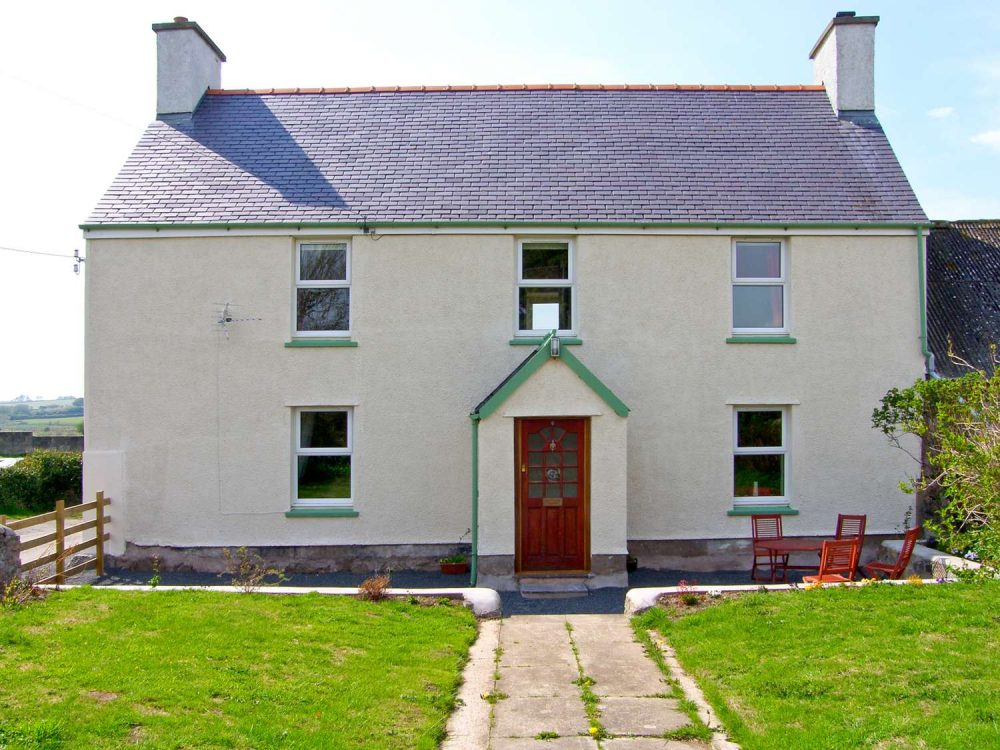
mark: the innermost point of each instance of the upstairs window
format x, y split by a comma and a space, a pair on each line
760, 296
545, 287
759, 456
323, 289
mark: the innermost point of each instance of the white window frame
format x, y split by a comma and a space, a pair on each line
298, 450
781, 281
301, 283
783, 450
570, 282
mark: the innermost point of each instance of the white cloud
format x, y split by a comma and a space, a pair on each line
939, 113
989, 138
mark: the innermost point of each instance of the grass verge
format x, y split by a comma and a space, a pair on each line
109, 669
890, 667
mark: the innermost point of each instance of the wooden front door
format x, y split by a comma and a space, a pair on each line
553, 487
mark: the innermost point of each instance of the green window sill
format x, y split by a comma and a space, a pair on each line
760, 340
321, 513
752, 510
311, 343
535, 341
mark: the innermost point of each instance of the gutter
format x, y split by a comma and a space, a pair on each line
930, 372
474, 553
366, 226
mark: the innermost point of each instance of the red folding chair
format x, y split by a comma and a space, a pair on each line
894, 571
851, 526
837, 562
766, 526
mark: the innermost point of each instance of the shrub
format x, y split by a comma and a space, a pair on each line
959, 422
39, 479
373, 589
247, 570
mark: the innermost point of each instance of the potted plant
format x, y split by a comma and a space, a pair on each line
458, 563
454, 564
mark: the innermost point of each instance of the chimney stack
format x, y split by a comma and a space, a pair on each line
187, 63
844, 62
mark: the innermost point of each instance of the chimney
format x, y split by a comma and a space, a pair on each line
187, 63
844, 62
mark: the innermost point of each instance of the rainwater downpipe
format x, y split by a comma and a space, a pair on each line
931, 373
474, 553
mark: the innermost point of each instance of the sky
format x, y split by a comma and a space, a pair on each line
79, 84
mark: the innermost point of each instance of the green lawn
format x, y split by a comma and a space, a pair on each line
886, 667
106, 669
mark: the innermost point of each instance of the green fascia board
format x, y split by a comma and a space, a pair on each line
761, 340
314, 343
524, 371
594, 383
355, 225
321, 513
535, 341
753, 510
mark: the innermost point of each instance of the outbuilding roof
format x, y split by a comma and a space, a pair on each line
963, 293
513, 154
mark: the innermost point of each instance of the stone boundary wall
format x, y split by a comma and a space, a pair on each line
23, 443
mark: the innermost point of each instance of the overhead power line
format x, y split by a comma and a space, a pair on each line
35, 252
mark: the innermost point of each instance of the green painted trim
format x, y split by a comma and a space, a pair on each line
474, 554
568, 341
922, 291
595, 383
761, 340
321, 513
750, 510
316, 343
529, 368
507, 224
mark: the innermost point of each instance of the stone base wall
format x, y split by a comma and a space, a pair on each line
304, 559
708, 555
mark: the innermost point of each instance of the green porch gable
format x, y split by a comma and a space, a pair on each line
542, 354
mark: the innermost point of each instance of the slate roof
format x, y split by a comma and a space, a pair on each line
540, 154
963, 293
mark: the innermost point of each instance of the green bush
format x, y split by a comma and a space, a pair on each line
36, 482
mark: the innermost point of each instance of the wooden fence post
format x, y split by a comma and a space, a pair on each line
60, 539
99, 568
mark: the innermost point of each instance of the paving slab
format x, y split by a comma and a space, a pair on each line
650, 743
551, 679
527, 717
562, 743
649, 717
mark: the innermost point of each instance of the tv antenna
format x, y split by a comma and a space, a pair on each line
224, 317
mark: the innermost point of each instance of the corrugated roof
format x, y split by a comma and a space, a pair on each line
607, 154
963, 293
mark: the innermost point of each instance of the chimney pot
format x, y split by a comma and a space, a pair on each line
182, 19
844, 62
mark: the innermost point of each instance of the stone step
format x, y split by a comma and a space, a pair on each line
561, 587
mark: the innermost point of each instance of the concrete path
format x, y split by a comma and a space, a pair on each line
530, 679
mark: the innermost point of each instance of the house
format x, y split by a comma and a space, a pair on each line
345, 326
963, 294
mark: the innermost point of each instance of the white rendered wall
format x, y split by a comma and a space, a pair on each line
203, 423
